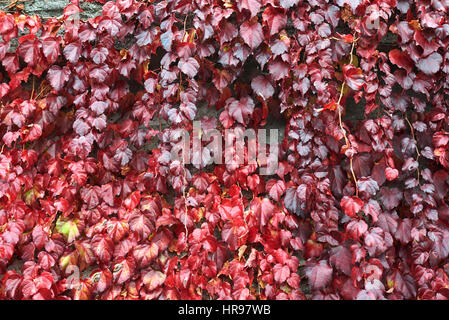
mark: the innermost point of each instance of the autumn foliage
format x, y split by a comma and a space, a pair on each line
91, 207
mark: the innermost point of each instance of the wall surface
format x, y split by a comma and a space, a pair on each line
54, 8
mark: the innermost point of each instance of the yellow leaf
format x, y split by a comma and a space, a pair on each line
69, 229
242, 250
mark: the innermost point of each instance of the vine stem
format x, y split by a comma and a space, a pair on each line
41, 91
183, 162
244, 216
32, 90
185, 200
10, 5
185, 24
347, 142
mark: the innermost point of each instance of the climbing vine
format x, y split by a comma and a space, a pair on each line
92, 206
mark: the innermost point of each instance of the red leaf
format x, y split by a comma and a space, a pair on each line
431, 64
30, 50
72, 51
286, 4
45, 260
99, 54
263, 209
51, 49
83, 291
12, 282
401, 59
144, 254
275, 189
133, 200
117, 229
140, 224
102, 279
356, 228
390, 197
4, 89
278, 69
281, 273
374, 241
295, 199
252, 5
404, 231
222, 78
319, 274
189, 66
124, 270
58, 77
252, 33
241, 109
153, 279
405, 285
262, 87
4, 46
228, 32
367, 185
353, 77
275, 19
6, 251
351, 205
98, 107
40, 237
79, 174
70, 10
103, 247
373, 209
91, 196
341, 258
391, 173
33, 133
226, 119
232, 233
167, 39
100, 73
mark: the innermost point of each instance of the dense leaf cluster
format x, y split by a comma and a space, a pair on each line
91, 109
